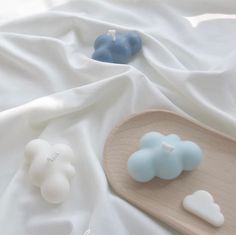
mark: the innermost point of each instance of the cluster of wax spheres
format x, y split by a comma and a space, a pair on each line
117, 47
50, 167
163, 156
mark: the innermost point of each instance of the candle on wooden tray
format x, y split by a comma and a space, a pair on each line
163, 156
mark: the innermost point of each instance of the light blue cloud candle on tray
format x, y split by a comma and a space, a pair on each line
117, 47
163, 156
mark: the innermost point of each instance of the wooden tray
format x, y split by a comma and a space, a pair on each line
163, 199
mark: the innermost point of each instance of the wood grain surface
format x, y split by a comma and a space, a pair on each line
162, 199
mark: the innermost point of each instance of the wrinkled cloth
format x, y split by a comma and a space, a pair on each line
51, 89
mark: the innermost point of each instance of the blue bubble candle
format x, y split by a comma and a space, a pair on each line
163, 156
117, 47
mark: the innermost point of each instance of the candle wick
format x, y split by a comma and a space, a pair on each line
167, 147
112, 33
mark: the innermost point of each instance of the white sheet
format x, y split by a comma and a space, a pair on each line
50, 89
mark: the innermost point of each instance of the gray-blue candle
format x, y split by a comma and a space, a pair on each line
117, 47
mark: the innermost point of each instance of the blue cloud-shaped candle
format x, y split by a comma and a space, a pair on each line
117, 47
163, 156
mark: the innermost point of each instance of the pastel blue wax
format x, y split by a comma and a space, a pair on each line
117, 47
163, 156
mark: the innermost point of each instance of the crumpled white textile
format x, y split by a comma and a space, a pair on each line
51, 89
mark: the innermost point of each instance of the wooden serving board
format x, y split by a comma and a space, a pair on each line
162, 199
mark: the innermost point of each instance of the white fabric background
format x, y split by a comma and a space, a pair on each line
51, 89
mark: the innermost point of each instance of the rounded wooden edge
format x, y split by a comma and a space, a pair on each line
168, 112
